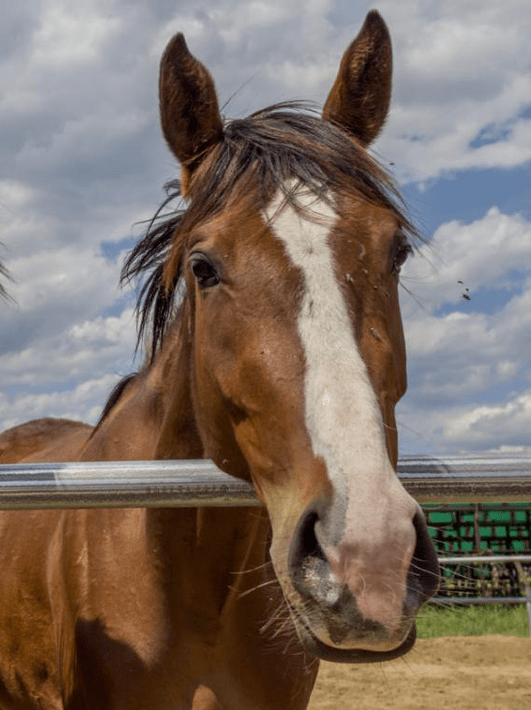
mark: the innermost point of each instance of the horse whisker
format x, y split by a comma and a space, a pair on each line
258, 586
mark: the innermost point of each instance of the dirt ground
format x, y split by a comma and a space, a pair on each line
459, 673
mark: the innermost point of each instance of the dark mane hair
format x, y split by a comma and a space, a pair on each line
115, 395
3, 273
6, 276
280, 146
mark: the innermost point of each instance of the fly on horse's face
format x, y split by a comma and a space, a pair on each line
291, 279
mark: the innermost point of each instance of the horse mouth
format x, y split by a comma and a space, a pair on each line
312, 644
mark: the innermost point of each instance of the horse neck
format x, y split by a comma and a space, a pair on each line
220, 551
170, 377
225, 541
154, 419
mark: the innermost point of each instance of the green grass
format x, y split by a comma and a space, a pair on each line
509, 620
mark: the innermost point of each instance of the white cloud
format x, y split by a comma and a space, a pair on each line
466, 361
478, 426
76, 369
462, 428
53, 291
459, 68
102, 345
82, 403
481, 255
72, 33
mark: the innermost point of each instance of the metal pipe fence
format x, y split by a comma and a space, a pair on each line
191, 483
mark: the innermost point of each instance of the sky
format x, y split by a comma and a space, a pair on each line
82, 164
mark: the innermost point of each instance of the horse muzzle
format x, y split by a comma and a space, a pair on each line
351, 605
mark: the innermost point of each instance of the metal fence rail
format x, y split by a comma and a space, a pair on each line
126, 484
188, 483
496, 478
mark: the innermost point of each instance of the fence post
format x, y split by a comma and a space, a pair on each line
527, 588
528, 605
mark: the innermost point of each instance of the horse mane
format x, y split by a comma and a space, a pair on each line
278, 148
115, 395
3, 292
4, 274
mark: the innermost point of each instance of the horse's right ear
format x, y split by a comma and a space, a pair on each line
189, 112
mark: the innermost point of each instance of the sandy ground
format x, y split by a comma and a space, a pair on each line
459, 673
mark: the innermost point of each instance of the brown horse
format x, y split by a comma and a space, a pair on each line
277, 351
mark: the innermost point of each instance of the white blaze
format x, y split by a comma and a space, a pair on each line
342, 413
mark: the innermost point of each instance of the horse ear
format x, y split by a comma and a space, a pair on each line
189, 112
360, 97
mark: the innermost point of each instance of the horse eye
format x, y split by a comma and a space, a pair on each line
205, 273
402, 249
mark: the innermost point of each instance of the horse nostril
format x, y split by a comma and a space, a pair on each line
424, 572
309, 569
307, 563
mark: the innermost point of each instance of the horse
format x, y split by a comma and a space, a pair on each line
274, 342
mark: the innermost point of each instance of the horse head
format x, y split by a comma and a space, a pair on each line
288, 255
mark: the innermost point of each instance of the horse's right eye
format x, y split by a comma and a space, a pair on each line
401, 250
204, 271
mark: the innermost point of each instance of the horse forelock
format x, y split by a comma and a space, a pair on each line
271, 151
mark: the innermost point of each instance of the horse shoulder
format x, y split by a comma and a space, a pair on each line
45, 439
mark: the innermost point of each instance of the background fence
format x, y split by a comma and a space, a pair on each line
498, 536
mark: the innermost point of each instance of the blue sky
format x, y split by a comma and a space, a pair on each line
83, 162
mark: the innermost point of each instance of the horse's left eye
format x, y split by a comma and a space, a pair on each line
401, 250
204, 271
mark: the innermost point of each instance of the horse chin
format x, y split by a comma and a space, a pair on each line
323, 651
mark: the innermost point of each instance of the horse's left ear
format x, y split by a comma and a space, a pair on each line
360, 97
189, 112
